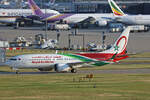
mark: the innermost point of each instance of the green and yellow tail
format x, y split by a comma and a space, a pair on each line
115, 8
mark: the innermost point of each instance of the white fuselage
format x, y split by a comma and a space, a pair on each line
39, 61
10, 15
80, 17
76, 18
135, 19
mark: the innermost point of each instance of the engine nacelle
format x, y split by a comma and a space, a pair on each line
101, 23
45, 69
62, 68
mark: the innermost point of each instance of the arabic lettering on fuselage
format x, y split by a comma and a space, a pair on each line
18, 14
47, 57
38, 62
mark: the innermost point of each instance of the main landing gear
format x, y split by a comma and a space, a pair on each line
17, 71
73, 70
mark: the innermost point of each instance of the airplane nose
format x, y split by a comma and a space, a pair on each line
7, 63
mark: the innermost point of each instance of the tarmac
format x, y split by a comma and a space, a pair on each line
138, 42
124, 71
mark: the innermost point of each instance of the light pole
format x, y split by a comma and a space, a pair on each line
69, 41
58, 35
103, 40
46, 25
83, 42
46, 38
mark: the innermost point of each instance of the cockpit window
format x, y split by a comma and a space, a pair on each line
14, 59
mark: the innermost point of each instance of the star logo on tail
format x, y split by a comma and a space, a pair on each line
116, 48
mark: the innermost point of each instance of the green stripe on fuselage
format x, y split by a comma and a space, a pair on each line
100, 63
84, 59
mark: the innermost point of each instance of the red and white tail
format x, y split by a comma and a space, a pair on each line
120, 44
115, 53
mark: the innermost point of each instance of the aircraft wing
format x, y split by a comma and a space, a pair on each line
101, 21
86, 64
31, 17
93, 19
107, 19
88, 20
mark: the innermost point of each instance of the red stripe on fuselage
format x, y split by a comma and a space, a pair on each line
97, 56
104, 56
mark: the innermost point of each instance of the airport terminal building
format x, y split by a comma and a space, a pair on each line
88, 6
101, 6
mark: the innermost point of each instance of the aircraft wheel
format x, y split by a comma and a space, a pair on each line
17, 72
73, 70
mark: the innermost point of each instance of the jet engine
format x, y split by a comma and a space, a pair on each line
101, 23
62, 68
45, 69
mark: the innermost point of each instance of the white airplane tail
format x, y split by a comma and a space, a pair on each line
120, 44
52, 2
115, 8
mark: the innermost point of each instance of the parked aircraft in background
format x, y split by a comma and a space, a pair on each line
100, 19
9, 16
70, 62
51, 3
120, 16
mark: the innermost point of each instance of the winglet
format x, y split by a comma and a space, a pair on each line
115, 8
113, 57
56, 52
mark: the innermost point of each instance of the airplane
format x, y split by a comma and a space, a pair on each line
70, 62
9, 16
120, 16
100, 19
51, 3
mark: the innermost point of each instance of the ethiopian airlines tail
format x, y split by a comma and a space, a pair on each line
115, 8
120, 44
